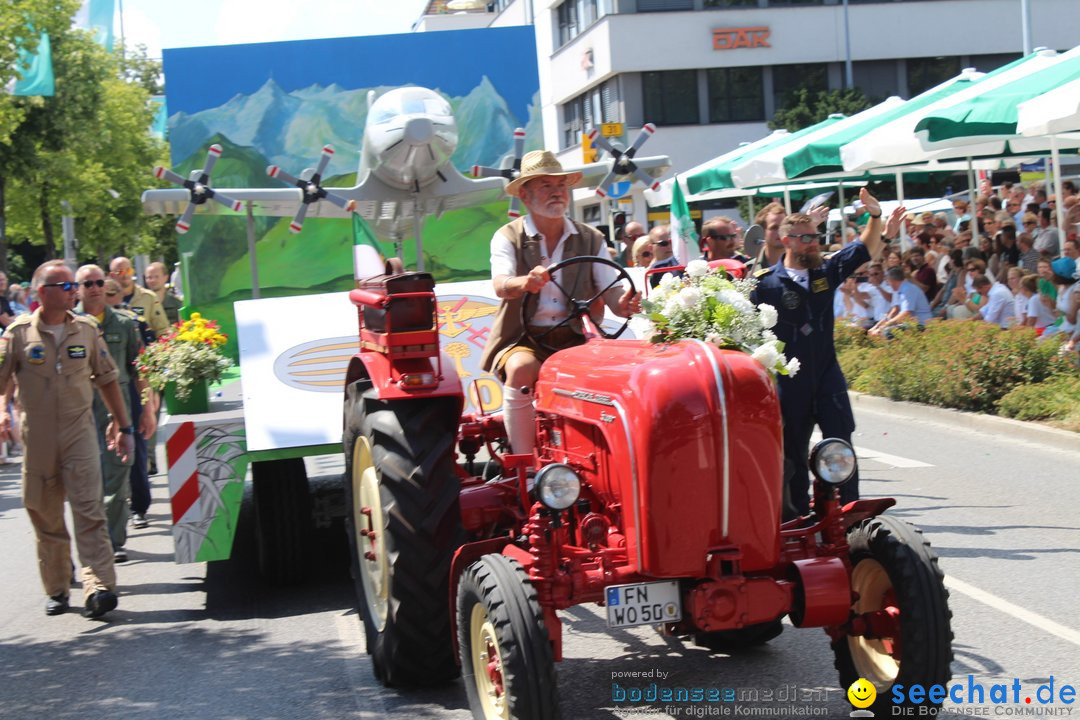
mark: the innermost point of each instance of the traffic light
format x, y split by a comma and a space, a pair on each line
618, 224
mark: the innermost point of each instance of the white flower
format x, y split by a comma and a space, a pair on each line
736, 300
689, 297
768, 335
667, 282
793, 366
767, 313
714, 339
642, 327
767, 355
697, 268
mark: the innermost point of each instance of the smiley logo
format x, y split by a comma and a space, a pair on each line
862, 693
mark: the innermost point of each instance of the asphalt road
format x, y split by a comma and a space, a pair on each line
213, 641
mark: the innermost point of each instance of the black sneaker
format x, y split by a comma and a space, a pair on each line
56, 604
139, 521
120, 555
99, 603
153, 468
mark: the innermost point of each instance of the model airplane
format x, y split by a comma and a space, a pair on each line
405, 173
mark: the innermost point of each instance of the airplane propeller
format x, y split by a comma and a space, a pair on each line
313, 191
510, 173
623, 159
198, 185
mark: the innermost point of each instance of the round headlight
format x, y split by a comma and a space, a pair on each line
557, 486
833, 461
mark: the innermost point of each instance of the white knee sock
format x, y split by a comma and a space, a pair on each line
520, 420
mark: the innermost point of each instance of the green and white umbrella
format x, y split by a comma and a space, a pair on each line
662, 195
718, 176
894, 142
824, 154
767, 167
1053, 112
992, 113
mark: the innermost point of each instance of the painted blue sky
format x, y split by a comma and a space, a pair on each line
452, 61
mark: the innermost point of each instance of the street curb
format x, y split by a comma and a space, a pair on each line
1017, 429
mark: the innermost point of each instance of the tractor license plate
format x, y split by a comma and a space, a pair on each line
643, 604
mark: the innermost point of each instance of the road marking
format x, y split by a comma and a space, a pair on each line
1022, 614
896, 461
866, 453
367, 696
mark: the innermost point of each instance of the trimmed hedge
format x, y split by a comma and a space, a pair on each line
959, 364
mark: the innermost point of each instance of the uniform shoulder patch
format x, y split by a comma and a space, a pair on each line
19, 321
762, 272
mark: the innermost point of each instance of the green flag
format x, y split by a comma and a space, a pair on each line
367, 256
36, 71
683, 235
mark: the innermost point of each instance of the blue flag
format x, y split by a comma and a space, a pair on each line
36, 71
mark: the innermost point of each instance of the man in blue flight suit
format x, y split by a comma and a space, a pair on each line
801, 287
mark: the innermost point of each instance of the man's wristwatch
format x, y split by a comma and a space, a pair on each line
128, 430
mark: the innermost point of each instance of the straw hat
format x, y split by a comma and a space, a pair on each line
540, 163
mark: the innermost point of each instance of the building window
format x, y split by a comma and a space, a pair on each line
790, 3
789, 78
670, 97
574, 16
925, 73
876, 78
588, 110
730, 3
664, 5
736, 94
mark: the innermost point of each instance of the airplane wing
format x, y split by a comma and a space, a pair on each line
375, 201
655, 167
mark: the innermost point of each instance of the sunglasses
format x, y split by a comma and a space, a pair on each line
724, 236
807, 238
662, 243
91, 283
646, 254
66, 286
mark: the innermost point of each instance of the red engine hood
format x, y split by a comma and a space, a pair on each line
690, 431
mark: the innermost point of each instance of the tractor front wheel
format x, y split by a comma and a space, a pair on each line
506, 659
403, 524
900, 633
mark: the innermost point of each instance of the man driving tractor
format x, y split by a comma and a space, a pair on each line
529, 329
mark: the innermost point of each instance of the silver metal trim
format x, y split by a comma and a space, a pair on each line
633, 478
585, 396
722, 397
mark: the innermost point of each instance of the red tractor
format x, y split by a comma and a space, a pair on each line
655, 490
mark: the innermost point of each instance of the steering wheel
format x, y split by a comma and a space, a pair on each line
576, 306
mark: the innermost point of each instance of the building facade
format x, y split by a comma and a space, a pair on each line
711, 73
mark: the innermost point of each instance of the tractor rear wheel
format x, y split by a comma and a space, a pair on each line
404, 524
895, 575
282, 502
506, 659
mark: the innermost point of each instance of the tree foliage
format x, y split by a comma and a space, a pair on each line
806, 107
88, 146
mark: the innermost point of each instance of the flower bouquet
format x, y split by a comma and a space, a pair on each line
707, 305
186, 358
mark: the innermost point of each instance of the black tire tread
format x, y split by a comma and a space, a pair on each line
412, 450
282, 519
512, 605
918, 582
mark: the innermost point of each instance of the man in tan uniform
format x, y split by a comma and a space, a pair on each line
139, 300
57, 358
121, 333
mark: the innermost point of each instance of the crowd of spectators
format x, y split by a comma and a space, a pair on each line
1004, 262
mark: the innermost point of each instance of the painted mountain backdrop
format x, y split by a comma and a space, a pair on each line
290, 128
